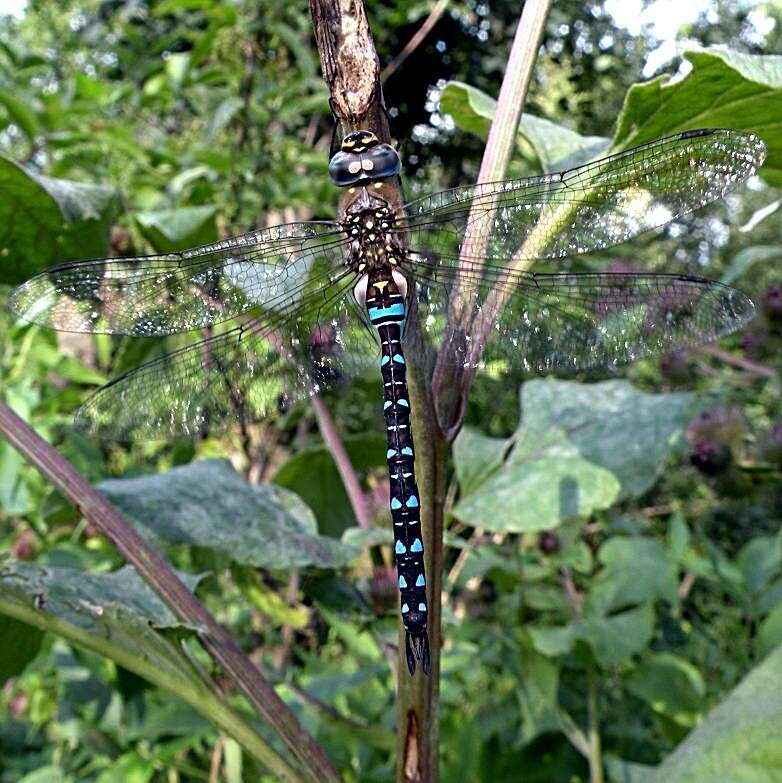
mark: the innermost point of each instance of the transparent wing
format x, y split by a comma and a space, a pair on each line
164, 294
242, 375
567, 321
585, 208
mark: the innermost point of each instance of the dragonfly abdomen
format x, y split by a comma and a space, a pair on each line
386, 309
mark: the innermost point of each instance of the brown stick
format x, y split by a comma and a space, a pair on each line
351, 72
159, 575
434, 17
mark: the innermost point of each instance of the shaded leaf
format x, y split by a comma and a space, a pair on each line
740, 741
555, 146
170, 230
208, 504
671, 686
312, 474
20, 643
49, 220
636, 570
724, 89
476, 456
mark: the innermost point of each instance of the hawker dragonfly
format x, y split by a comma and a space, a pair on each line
444, 280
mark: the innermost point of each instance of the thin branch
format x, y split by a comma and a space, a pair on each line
737, 361
328, 430
415, 41
159, 575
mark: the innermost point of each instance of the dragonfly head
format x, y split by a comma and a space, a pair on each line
362, 157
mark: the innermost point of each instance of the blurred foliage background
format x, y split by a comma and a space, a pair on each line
129, 126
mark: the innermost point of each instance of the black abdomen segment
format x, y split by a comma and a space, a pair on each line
405, 502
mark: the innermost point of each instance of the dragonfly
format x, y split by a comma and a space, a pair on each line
445, 280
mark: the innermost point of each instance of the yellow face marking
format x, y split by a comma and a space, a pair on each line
346, 144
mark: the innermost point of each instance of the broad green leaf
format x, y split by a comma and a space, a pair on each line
47, 774
671, 686
20, 113
553, 640
612, 639
170, 230
770, 632
635, 570
118, 616
538, 695
313, 476
20, 643
49, 220
538, 495
740, 741
555, 146
610, 424
208, 504
83, 599
760, 561
616, 638
128, 768
579, 448
475, 457
724, 89
622, 771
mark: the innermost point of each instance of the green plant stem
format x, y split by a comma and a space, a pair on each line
161, 578
418, 697
451, 387
595, 748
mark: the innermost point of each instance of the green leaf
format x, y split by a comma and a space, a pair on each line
49, 220
579, 448
760, 560
611, 424
636, 570
552, 640
129, 768
622, 771
537, 694
476, 457
555, 146
118, 616
20, 114
724, 89
170, 230
770, 632
616, 638
671, 686
312, 474
538, 495
208, 504
20, 643
740, 741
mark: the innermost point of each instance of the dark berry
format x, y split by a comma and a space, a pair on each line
711, 457
548, 542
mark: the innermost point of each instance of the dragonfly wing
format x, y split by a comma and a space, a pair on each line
586, 208
568, 321
241, 375
175, 292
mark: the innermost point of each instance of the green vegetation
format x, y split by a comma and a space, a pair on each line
613, 547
